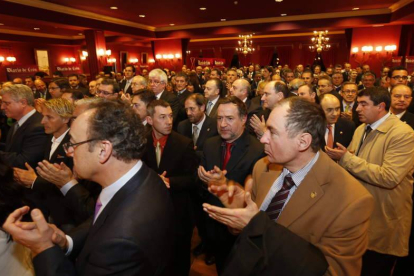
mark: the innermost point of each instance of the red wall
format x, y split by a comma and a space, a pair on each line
170, 46
374, 36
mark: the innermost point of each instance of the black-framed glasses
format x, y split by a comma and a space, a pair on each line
400, 77
70, 147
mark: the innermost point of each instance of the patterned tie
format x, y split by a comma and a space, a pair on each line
367, 131
98, 206
330, 142
195, 134
158, 153
346, 108
209, 105
227, 155
278, 201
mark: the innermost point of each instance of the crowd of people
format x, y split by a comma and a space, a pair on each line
287, 172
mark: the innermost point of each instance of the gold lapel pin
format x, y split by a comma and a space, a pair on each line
313, 194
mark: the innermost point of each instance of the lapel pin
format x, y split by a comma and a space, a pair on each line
313, 194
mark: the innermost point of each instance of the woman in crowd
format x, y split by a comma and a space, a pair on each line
267, 73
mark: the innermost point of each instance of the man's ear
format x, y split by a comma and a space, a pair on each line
105, 151
304, 141
149, 120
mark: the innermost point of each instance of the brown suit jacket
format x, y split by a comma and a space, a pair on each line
384, 165
330, 209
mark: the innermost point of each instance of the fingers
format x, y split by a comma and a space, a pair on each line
39, 219
263, 119
28, 167
26, 225
16, 216
164, 173
248, 186
340, 146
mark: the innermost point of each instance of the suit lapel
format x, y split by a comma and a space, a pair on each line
59, 150
238, 152
205, 130
308, 193
167, 153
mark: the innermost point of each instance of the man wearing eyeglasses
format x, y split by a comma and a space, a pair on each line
349, 105
401, 97
138, 83
157, 83
397, 75
130, 233
108, 89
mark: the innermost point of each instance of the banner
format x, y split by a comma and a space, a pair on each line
210, 62
396, 61
409, 64
20, 71
69, 69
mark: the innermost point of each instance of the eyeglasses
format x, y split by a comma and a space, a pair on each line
54, 88
155, 82
400, 77
134, 83
103, 93
349, 91
70, 147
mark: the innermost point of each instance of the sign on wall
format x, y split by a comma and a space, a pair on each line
409, 64
210, 62
20, 71
396, 61
69, 69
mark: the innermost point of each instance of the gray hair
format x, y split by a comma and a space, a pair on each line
140, 80
159, 73
18, 92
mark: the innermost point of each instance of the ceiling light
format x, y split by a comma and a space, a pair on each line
172, 24
113, 8
279, 1
283, 14
142, 15
36, 29
223, 19
203, 9
355, 9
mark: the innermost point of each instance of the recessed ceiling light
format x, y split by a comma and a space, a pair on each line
283, 14
172, 24
113, 8
142, 15
279, 1
223, 19
36, 29
203, 9
355, 9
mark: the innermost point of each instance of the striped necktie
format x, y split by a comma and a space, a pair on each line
278, 201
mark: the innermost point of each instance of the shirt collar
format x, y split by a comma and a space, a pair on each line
108, 192
215, 100
26, 117
200, 124
162, 140
400, 114
60, 138
299, 175
375, 125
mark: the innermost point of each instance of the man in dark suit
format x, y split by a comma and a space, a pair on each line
325, 86
26, 138
56, 116
41, 90
74, 82
349, 104
140, 102
337, 80
131, 230
172, 156
126, 83
181, 82
234, 151
158, 81
337, 130
212, 94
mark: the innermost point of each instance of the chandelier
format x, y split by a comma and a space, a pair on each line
245, 45
320, 42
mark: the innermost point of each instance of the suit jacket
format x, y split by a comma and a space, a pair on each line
209, 129
253, 106
182, 114
213, 112
267, 248
173, 101
329, 209
180, 162
27, 144
122, 86
131, 236
408, 118
384, 165
344, 130
37, 95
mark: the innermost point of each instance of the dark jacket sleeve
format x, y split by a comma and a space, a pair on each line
53, 262
267, 248
81, 202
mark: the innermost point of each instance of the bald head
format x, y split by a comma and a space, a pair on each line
240, 88
332, 108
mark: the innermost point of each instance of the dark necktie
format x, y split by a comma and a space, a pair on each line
227, 155
15, 128
366, 133
278, 201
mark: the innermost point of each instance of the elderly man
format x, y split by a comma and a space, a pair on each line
241, 89
401, 98
41, 90
381, 157
157, 82
368, 80
138, 83
291, 185
111, 240
26, 138
325, 86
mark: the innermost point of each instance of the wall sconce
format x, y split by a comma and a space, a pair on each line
83, 58
11, 59
101, 52
85, 54
111, 60
158, 56
367, 49
378, 49
390, 48
164, 56
188, 52
168, 56
108, 53
1, 60
71, 60
151, 60
133, 60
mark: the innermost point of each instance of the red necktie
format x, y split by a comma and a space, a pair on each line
227, 155
330, 142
